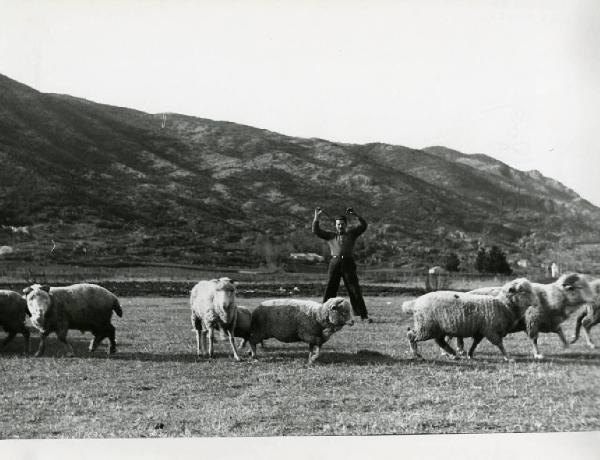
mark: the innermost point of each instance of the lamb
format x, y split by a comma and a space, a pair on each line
554, 303
213, 307
589, 315
13, 310
86, 307
293, 320
442, 313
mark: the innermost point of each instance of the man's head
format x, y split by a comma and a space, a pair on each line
341, 224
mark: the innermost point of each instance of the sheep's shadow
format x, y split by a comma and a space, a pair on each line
360, 358
580, 358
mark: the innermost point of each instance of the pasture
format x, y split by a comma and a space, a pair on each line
365, 383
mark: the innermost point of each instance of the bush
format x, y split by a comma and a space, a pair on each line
451, 262
493, 261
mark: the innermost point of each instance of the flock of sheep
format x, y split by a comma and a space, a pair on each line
490, 313
493, 313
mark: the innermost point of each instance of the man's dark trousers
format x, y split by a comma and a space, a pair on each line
345, 267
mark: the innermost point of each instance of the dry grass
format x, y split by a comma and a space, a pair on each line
365, 383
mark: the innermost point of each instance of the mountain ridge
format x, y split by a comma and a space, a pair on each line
118, 182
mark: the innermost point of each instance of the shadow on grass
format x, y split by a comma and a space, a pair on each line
280, 353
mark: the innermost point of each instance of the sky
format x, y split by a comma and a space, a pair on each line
516, 80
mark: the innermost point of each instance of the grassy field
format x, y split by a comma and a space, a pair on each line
365, 383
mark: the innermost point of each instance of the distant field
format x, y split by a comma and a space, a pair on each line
365, 383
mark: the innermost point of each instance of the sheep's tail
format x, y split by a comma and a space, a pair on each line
117, 308
408, 306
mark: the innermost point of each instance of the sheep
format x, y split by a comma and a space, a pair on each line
213, 307
13, 310
408, 307
442, 313
589, 315
294, 320
554, 303
86, 307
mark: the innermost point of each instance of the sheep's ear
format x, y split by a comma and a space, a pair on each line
27, 290
45, 287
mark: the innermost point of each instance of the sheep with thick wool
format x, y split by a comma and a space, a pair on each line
84, 307
13, 311
448, 313
589, 315
295, 320
554, 303
213, 308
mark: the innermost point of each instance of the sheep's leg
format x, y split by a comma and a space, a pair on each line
532, 329
587, 326
442, 351
26, 335
460, 346
42, 345
496, 339
202, 342
111, 338
536, 351
253, 350
561, 335
447, 348
95, 342
62, 337
316, 350
503, 351
197, 327
588, 339
211, 337
232, 342
578, 322
412, 341
199, 347
476, 340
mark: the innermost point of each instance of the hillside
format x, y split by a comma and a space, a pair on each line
93, 182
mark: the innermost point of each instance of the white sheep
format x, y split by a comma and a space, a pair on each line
448, 313
408, 307
554, 303
213, 308
589, 315
294, 320
13, 310
84, 307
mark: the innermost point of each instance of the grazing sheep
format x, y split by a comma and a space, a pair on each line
442, 313
292, 320
213, 308
554, 303
13, 310
589, 315
86, 307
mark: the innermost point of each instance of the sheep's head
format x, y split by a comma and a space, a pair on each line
39, 302
576, 289
519, 293
224, 298
339, 313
